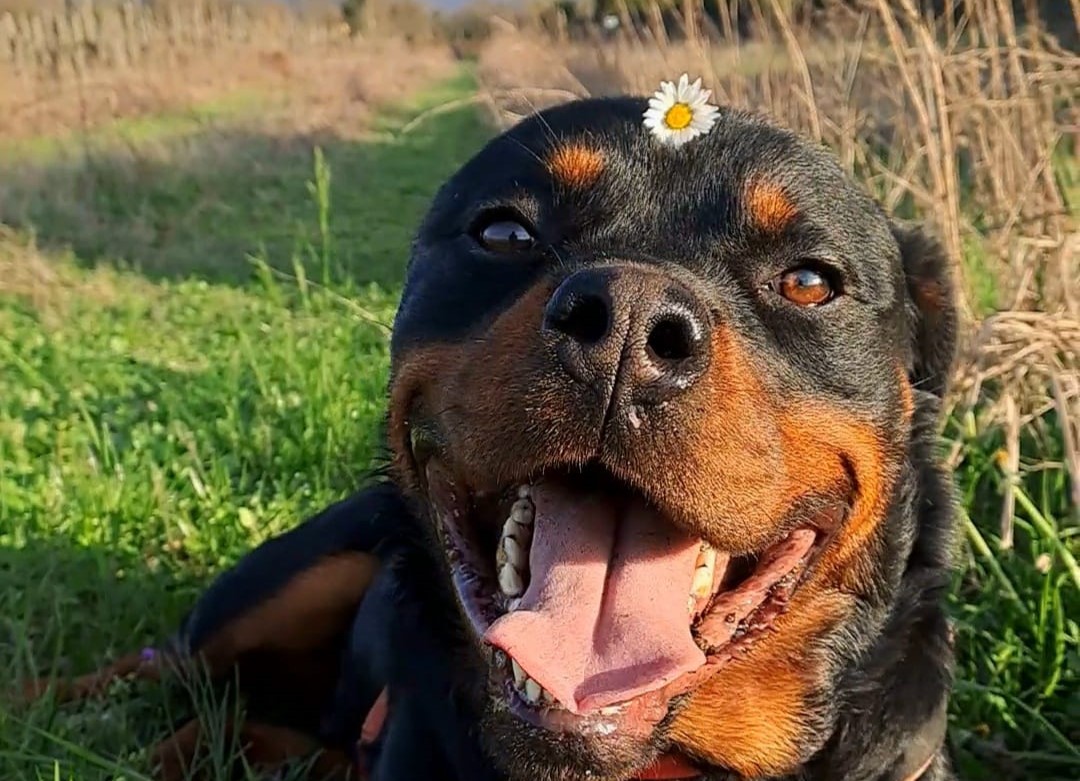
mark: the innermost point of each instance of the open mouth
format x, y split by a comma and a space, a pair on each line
596, 609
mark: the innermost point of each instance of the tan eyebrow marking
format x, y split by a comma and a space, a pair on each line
575, 165
768, 206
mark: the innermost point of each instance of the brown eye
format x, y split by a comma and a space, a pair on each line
804, 286
505, 236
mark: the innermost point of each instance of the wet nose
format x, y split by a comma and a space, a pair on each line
636, 331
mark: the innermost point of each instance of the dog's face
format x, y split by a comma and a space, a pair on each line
658, 403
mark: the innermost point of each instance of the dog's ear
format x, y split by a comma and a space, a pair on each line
931, 308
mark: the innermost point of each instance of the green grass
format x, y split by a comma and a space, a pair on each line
129, 130
193, 357
1016, 709
160, 413
192, 194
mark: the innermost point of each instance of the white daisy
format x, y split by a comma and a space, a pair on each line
680, 112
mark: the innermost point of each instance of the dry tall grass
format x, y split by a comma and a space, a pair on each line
70, 71
968, 122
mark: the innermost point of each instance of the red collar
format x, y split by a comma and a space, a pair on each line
669, 767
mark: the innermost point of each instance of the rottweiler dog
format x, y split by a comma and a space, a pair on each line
663, 496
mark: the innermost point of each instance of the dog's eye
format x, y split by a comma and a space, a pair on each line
804, 286
505, 235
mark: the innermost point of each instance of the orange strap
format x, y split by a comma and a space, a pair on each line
668, 768
922, 768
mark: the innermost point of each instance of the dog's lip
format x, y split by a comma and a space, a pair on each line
637, 718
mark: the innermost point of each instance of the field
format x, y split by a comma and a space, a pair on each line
195, 295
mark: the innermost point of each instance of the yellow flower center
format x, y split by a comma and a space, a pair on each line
678, 116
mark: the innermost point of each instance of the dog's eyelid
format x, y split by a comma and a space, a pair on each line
833, 271
519, 206
488, 215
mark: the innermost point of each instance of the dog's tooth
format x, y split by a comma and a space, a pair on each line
532, 691
523, 534
510, 581
516, 529
513, 604
519, 674
546, 697
522, 512
701, 586
524, 491
515, 554
703, 552
611, 710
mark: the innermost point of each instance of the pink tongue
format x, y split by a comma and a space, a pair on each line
605, 616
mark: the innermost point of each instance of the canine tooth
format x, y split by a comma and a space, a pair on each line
524, 491
510, 581
519, 674
532, 691
611, 710
513, 604
515, 554
701, 586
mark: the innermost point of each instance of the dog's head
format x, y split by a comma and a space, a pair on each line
658, 401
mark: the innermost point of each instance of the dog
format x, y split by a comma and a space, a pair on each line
663, 496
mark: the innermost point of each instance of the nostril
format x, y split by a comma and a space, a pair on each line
673, 338
584, 318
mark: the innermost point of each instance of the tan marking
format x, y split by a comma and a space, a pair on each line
95, 684
263, 746
930, 297
514, 405
768, 206
750, 717
907, 395
307, 611
575, 165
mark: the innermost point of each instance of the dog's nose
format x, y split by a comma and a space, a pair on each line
632, 330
